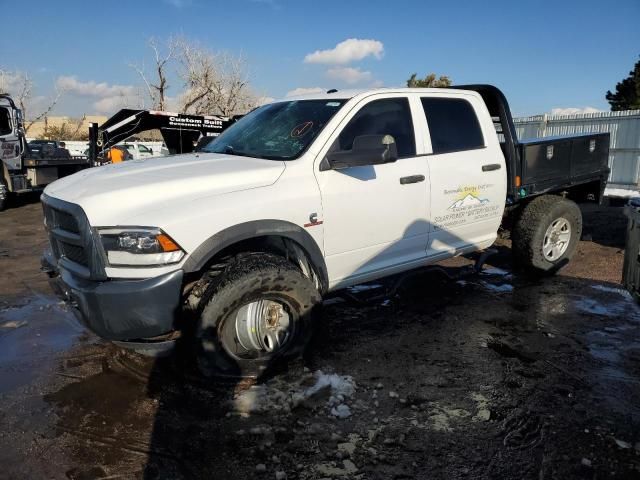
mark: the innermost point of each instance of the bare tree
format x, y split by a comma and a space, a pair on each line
20, 86
67, 131
157, 89
430, 81
215, 83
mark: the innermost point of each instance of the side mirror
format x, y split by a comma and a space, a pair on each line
19, 119
366, 150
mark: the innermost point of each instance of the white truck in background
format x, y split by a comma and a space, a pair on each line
24, 169
139, 150
238, 242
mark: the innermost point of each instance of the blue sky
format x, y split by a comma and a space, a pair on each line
543, 54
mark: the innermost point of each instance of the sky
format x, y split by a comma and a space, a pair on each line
544, 55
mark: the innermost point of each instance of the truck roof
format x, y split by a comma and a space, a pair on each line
350, 93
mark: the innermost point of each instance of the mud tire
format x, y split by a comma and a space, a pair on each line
246, 279
529, 231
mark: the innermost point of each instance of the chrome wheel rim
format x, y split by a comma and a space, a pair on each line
556, 239
263, 326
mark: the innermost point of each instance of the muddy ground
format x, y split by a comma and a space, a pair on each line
489, 376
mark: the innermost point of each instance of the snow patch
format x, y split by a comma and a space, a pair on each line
619, 291
278, 396
621, 192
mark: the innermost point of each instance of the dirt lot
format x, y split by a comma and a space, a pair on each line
490, 376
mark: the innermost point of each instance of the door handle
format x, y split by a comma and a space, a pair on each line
491, 167
411, 179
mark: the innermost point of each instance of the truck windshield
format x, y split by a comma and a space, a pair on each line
278, 131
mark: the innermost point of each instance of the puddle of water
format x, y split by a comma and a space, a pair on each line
364, 288
612, 344
496, 271
608, 307
498, 287
29, 334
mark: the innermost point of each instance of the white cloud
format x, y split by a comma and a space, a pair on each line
349, 75
111, 104
108, 104
573, 110
108, 98
350, 50
304, 91
11, 82
72, 85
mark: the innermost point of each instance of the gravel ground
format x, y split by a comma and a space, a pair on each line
486, 376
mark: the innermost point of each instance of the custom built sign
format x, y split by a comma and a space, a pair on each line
196, 122
180, 132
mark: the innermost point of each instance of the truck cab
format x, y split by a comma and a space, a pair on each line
299, 198
10, 132
23, 170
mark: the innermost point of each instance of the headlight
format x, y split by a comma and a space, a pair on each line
126, 247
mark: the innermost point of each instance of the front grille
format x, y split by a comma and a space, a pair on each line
68, 234
66, 221
74, 253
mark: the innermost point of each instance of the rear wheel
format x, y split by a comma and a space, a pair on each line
258, 311
546, 234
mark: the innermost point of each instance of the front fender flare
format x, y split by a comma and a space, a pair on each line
255, 229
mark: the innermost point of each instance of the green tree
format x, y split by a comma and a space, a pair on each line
627, 96
430, 81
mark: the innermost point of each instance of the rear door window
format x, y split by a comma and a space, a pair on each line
389, 116
453, 124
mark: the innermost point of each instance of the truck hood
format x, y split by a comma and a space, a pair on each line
111, 194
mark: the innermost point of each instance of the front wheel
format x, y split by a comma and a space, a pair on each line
258, 311
546, 234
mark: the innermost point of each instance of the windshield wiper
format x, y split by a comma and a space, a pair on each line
229, 150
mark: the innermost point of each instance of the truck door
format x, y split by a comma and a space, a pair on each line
468, 175
375, 217
9, 139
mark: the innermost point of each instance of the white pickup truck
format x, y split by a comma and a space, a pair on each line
138, 150
239, 242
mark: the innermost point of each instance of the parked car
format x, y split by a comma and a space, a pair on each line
137, 150
302, 197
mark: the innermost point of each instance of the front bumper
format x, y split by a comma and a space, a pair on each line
120, 310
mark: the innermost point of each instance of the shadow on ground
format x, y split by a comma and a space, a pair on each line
487, 376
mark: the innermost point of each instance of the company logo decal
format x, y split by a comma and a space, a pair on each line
470, 200
469, 203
